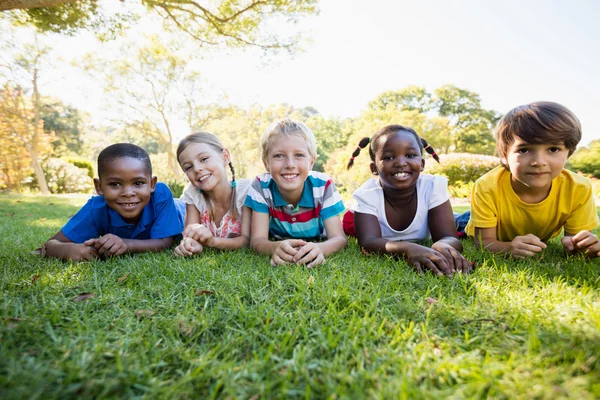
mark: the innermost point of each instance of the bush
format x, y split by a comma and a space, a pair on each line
176, 188
82, 163
64, 177
462, 168
461, 189
587, 160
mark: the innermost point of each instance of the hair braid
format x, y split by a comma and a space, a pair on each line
430, 150
361, 145
233, 211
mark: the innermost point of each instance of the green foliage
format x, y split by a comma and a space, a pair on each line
231, 23
66, 122
462, 168
176, 187
587, 159
64, 177
83, 163
355, 327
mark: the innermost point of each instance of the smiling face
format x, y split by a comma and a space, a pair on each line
398, 160
289, 162
126, 185
204, 166
534, 166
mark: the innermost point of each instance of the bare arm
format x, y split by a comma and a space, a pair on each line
441, 226
336, 239
259, 236
60, 246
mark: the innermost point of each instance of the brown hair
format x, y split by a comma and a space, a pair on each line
387, 130
215, 143
538, 123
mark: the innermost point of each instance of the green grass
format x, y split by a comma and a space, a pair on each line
358, 327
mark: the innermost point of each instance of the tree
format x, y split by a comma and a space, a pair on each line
587, 159
20, 104
234, 23
407, 99
153, 87
66, 123
471, 124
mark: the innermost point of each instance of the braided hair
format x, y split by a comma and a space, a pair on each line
215, 143
385, 131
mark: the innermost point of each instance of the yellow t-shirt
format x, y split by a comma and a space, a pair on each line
494, 203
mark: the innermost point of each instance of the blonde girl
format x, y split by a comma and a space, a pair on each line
215, 212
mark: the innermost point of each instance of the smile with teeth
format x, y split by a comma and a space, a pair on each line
289, 177
203, 178
128, 205
401, 174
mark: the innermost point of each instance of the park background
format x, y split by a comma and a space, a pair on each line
79, 76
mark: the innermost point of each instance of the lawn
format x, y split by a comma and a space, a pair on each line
228, 325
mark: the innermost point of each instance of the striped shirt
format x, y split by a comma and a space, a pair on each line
320, 200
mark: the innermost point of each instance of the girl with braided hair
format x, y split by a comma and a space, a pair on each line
402, 206
215, 212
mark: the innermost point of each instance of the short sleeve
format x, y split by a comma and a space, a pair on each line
84, 225
332, 202
188, 196
439, 194
255, 199
365, 202
168, 221
584, 216
483, 208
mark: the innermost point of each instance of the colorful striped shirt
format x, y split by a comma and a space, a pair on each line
320, 200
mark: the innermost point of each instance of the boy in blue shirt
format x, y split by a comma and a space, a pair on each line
132, 214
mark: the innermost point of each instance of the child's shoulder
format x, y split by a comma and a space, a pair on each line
318, 178
492, 178
573, 180
161, 192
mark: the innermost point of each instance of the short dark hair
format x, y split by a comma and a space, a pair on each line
120, 150
538, 123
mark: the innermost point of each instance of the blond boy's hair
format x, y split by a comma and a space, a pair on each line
287, 127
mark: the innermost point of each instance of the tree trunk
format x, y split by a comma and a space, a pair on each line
24, 4
39, 173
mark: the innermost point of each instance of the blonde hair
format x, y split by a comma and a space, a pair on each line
215, 143
287, 127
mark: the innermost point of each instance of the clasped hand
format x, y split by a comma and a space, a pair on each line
108, 245
299, 252
441, 259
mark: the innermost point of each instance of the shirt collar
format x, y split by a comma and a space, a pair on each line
306, 200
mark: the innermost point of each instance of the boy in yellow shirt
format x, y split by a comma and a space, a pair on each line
531, 197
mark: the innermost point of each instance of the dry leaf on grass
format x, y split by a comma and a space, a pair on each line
203, 292
42, 219
84, 296
35, 278
431, 300
184, 328
267, 321
28, 215
144, 313
311, 280
10, 214
121, 279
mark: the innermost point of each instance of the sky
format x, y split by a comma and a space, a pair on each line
510, 52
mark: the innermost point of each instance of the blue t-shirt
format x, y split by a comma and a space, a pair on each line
160, 218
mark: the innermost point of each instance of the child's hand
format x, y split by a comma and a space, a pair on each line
109, 245
522, 247
309, 253
199, 233
583, 241
188, 247
422, 258
84, 252
285, 251
457, 261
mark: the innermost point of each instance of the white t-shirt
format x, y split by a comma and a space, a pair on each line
228, 227
432, 190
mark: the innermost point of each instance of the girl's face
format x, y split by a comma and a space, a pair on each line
398, 160
204, 166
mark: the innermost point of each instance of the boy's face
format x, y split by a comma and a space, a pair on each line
534, 166
126, 186
289, 161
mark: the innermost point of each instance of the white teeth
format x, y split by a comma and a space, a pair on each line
205, 177
290, 176
402, 174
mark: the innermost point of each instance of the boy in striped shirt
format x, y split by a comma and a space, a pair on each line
292, 204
